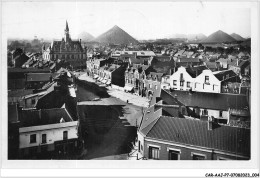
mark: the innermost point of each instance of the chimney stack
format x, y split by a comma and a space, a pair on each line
210, 122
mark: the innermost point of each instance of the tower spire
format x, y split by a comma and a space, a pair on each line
67, 26
67, 33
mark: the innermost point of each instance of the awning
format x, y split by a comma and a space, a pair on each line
128, 88
95, 76
100, 79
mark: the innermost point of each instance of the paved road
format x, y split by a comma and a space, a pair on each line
118, 131
131, 98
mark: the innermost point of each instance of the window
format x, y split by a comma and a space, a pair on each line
188, 84
150, 86
181, 77
181, 83
155, 87
33, 138
153, 153
196, 156
207, 79
205, 112
65, 135
222, 158
220, 113
33, 101
174, 155
44, 140
174, 82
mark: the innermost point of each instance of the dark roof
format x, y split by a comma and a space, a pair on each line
71, 46
244, 63
185, 59
163, 66
37, 77
195, 71
195, 132
216, 101
44, 117
28, 70
163, 58
211, 65
12, 113
19, 93
223, 74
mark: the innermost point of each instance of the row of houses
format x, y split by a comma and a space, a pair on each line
141, 75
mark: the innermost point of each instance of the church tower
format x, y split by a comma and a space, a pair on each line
67, 33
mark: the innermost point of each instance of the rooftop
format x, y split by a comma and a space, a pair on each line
195, 132
216, 101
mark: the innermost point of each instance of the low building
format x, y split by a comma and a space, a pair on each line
38, 80
202, 105
47, 130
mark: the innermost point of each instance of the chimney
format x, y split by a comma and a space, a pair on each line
40, 114
210, 122
135, 54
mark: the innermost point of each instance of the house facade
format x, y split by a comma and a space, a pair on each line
207, 82
47, 131
181, 80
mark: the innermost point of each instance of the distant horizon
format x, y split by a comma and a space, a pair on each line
39, 38
143, 21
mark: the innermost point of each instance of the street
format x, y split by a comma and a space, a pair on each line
108, 125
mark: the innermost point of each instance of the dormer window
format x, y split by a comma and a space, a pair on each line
181, 77
206, 79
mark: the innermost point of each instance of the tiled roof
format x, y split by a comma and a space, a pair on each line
195, 132
220, 74
216, 101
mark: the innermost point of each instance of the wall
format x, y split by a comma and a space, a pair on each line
185, 152
214, 113
53, 134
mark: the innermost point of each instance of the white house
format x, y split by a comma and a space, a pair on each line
181, 80
207, 82
47, 130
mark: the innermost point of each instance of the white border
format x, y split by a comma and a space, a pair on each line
252, 166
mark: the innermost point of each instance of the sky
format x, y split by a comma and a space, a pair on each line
142, 20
